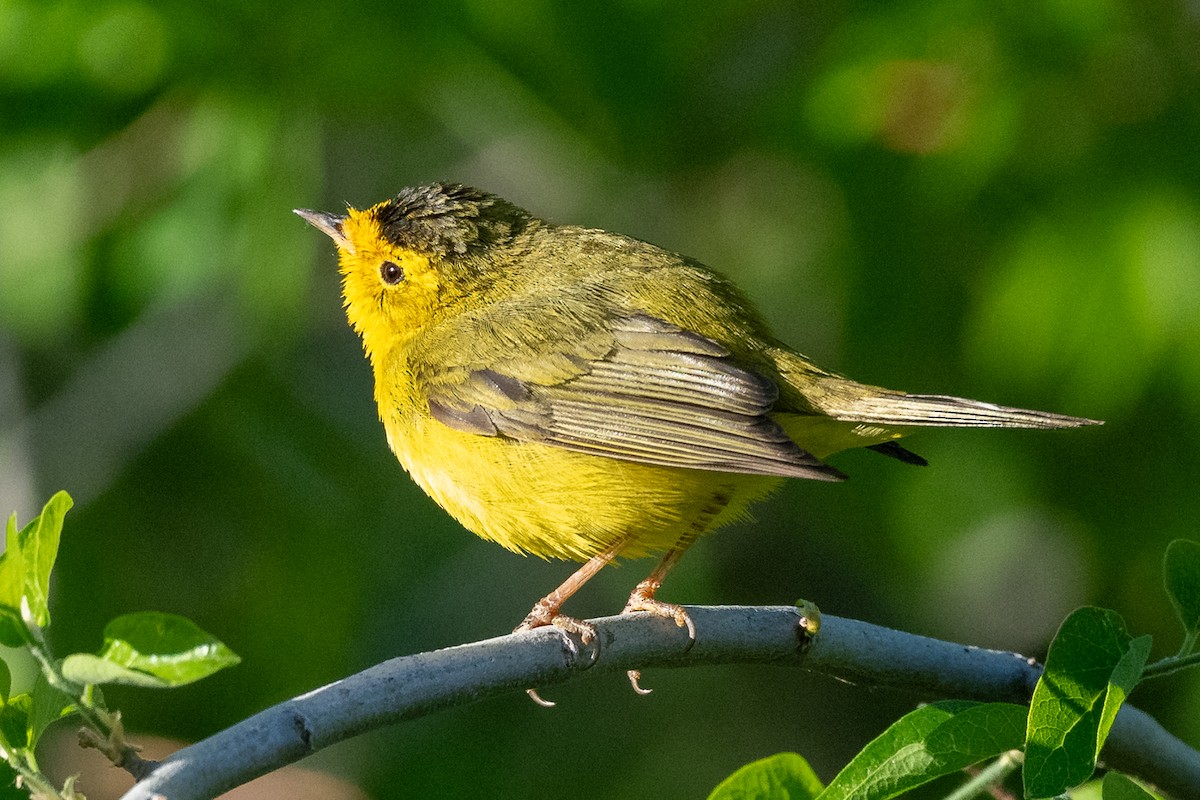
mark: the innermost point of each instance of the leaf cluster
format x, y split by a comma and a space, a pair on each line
1092, 667
149, 649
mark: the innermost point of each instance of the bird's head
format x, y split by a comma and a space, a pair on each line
406, 258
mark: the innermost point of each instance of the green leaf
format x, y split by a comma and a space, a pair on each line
89, 669
927, 743
12, 631
39, 546
1092, 666
1181, 574
5, 681
1120, 787
47, 705
870, 773
25, 568
14, 722
151, 649
12, 586
8, 784
1125, 677
783, 776
975, 734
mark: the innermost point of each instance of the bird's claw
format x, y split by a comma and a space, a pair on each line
569, 629
634, 676
660, 609
642, 600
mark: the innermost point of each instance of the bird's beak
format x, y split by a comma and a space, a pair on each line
328, 224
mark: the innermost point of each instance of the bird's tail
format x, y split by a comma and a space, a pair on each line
898, 409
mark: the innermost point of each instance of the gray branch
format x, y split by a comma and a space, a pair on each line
412, 686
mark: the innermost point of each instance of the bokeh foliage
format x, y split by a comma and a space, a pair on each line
1000, 200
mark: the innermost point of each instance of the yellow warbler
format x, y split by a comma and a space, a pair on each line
579, 394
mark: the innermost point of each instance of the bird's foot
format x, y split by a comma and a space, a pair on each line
544, 615
642, 600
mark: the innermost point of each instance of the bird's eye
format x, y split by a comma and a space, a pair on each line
391, 272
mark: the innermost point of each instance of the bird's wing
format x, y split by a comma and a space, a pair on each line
634, 388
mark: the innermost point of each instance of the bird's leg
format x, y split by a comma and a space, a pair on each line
546, 611
642, 599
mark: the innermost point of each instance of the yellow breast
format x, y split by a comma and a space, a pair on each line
555, 503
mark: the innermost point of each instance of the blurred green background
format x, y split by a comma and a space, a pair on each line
997, 200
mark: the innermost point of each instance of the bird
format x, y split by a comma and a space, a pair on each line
578, 394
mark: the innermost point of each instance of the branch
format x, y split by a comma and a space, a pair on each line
412, 686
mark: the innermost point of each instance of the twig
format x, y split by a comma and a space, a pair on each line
989, 778
412, 686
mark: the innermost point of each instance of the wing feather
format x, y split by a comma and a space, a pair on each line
659, 395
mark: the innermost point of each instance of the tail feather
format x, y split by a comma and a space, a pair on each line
893, 450
945, 411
